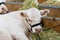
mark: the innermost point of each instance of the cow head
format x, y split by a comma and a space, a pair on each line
3, 8
33, 18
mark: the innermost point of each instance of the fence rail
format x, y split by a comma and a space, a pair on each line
52, 18
47, 6
40, 5
14, 3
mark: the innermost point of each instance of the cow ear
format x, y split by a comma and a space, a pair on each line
23, 14
44, 12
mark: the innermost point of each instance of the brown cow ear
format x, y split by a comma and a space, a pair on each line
23, 14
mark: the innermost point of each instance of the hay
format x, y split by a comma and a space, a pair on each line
52, 2
29, 4
50, 35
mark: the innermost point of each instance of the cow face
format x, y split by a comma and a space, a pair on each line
33, 18
3, 9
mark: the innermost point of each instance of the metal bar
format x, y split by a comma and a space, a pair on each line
40, 5
52, 18
14, 3
47, 6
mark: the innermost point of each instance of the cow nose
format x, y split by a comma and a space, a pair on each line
38, 30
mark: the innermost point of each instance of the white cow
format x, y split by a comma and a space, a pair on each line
16, 24
3, 7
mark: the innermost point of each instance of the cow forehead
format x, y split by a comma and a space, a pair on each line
33, 12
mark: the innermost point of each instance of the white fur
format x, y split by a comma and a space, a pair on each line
2, 1
13, 25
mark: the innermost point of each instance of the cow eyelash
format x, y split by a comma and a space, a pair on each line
29, 20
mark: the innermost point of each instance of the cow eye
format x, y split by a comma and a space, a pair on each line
29, 20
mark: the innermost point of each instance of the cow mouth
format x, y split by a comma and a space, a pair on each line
5, 13
34, 25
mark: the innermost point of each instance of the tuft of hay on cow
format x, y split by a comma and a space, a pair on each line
45, 35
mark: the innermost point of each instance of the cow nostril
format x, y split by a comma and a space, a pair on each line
38, 30
2, 8
35, 29
7, 11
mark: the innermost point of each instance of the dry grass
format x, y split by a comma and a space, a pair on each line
29, 4
50, 35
